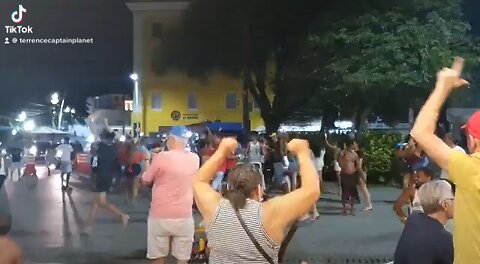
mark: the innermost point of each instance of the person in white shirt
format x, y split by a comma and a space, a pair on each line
64, 153
450, 141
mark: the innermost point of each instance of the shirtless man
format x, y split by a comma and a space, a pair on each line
10, 253
350, 167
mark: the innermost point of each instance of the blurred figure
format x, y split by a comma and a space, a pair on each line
413, 158
409, 195
424, 238
107, 162
450, 141
351, 170
362, 182
64, 153
254, 154
17, 164
218, 178
241, 216
337, 152
10, 252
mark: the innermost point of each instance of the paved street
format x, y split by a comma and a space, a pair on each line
47, 225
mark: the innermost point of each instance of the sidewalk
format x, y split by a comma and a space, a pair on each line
47, 226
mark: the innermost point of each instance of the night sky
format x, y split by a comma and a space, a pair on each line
29, 73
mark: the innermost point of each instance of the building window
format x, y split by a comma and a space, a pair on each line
192, 102
128, 105
231, 101
157, 30
156, 102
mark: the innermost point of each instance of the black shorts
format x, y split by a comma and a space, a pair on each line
133, 170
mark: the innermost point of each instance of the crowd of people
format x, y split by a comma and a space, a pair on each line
246, 206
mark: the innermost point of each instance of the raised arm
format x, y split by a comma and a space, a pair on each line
283, 210
328, 143
423, 130
206, 198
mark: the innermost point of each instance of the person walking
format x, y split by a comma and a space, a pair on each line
64, 153
362, 182
463, 170
240, 228
107, 163
254, 154
170, 221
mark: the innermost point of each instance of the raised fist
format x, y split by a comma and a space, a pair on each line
228, 146
297, 146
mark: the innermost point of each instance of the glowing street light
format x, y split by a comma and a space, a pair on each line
22, 117
134, 77
29, 125
67, 109
14, 132
54, 99
72, 111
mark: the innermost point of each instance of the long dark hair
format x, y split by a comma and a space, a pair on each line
242, 181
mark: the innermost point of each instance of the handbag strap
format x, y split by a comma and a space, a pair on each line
252, 238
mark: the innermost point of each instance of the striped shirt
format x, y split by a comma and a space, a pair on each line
228, 241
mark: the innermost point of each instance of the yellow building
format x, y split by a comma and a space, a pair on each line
173, 98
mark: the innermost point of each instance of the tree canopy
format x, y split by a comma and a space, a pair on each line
353, 58
378, 62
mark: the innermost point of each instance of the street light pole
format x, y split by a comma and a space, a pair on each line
60, 115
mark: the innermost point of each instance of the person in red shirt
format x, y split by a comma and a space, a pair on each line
133, 170
218, 178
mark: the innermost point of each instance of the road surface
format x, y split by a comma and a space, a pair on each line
47, 225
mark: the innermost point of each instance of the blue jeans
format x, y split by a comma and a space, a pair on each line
217, 180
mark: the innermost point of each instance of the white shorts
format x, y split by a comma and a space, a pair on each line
66, 166
163, 232
17, 165
319, 164
336, 166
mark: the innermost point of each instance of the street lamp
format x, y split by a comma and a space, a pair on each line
67, 109
54, 99
29, 125
72, 111
22, 116
136, 99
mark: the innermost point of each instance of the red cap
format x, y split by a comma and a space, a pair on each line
473, 125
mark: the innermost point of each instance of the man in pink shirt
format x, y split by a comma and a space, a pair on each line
170, 218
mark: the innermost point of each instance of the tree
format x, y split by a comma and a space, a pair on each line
255, 40
381, 58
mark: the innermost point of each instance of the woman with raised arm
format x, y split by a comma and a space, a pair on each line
240, 228
336, 158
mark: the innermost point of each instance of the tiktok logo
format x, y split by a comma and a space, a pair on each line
17, 16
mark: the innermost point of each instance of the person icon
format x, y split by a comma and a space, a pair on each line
7, 41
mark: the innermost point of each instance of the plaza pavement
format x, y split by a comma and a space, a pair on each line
47, 225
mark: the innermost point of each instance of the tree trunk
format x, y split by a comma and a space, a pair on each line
361, 120
272, 124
